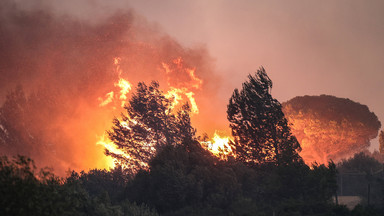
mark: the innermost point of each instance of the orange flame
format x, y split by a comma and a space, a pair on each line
124, 85
108, 99
185, 83
176, 95
181, 76
219, 146
110, 146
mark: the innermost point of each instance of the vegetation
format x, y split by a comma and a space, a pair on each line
149, 124
330, 127
265, 177
258, 124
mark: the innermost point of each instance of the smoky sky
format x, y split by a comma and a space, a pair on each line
65, 62
306, 47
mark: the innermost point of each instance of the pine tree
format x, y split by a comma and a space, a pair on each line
381, 141
149, 124
258, 124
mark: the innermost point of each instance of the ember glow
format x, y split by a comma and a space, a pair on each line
219, 146
77, 71
121, 83
77, 76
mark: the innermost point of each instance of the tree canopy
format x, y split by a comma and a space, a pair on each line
258, 124
381, 142
149, 124
329, 127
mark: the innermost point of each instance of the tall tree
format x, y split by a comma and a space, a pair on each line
260, 130
149, 124
381, 141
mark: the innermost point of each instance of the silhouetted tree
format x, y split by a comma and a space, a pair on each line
258, 125
360, 162
149, 124
362, 175
381, 141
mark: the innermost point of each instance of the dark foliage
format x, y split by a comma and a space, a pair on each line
150, 123
258, 124
25, 191
363, 176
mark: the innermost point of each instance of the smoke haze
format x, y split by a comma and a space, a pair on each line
66, 65
62, 54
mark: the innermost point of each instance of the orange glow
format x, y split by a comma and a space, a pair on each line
176, 95
110, 146
219, 146
182, 83
108, 99
197, 82
179, 75
179, 92
125, 87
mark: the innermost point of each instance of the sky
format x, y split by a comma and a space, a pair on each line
307, 47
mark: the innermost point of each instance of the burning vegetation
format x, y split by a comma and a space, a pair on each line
75, 76
86, 99
162, 164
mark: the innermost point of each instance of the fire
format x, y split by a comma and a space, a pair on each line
182, 84
179, 75
124, 85
110, 146
177, 95
219, 146
108, 99
197, 82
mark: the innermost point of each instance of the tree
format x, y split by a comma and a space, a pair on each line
150, 123
381, 141
360, 163
260, 130
330, 128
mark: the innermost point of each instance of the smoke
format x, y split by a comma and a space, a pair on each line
65, 62
330, 128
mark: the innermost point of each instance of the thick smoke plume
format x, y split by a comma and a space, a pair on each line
65, 66
330, 128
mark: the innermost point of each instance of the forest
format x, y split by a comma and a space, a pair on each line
84, 131
162, 168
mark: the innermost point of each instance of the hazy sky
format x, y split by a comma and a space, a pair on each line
307, 47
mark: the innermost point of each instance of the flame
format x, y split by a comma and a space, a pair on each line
182, 84
219, 146
198, 82
110, 146
194, 108
178, 94
180, 76
124, 85
108, 99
